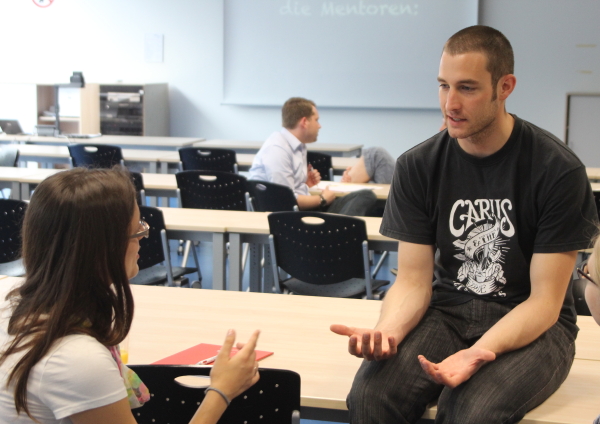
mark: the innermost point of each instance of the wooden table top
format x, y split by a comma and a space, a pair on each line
62, 152
296, 328
118, 140
239, 221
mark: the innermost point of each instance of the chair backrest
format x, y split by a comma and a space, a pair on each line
151, 248
138, 183
273, 399
211, 190
9, 156
197, 158
11, 222
271, 197
95, 155
322, 163
329, 251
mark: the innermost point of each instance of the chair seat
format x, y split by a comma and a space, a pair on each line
353, 288
13, 268
156, 275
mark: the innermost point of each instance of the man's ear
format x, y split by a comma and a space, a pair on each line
303, 122
506, 85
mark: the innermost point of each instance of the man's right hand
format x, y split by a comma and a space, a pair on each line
328, 195
367, 343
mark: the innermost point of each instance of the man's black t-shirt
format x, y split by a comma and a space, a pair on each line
488, 216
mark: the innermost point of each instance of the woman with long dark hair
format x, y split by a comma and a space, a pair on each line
59, 329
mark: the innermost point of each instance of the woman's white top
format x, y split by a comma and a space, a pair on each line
76, 375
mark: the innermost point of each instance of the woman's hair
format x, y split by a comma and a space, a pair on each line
595, 273
75, 237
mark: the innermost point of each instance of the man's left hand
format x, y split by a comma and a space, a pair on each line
457, 368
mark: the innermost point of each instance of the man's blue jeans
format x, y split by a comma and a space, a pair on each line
398, 390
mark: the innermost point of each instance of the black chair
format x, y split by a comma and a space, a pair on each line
211, 190
154, 250
199, 159
325, 258
95, 155
11, 222
270, 197
322, 163
140, 191
274, 399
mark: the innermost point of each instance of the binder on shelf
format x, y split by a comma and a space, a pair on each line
200, 352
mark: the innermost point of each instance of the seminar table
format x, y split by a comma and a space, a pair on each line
149, 159
244, 161
244, 227
296, 328
123, 141
333, 149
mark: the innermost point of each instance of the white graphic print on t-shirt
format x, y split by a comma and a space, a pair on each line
482, 244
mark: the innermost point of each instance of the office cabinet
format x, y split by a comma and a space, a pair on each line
79, 108
131, 109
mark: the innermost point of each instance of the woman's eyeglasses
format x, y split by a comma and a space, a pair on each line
581, 271
143, 231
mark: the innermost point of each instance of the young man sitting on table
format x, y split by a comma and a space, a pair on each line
282, 160
489, 215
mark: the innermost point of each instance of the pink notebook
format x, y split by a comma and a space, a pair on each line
200, 352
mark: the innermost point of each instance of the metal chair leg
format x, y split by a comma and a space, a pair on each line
378, 266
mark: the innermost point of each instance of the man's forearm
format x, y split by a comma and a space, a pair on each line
550, 275
407, 300
403, 307
521, 326
308, 202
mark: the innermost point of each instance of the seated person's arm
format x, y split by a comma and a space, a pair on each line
550, 274
403, 306
356, 173
308, 202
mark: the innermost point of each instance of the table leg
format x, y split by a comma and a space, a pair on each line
25, 191
235, 262
269, 286
15, 190
219, 261
255, 268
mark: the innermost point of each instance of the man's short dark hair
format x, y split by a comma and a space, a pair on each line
489, 41
294, 110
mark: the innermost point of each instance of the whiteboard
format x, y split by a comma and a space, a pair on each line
339, 53
583, 127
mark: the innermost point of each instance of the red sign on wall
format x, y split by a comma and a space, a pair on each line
43, 3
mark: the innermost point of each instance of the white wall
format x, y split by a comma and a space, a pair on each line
105, 40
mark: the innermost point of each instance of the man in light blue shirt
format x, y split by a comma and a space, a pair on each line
282, 160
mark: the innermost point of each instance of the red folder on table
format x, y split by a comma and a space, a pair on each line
200, 352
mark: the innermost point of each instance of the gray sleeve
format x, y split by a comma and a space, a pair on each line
379, 164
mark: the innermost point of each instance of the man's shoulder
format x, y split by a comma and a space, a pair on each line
547, 148
428, 149
276, 139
